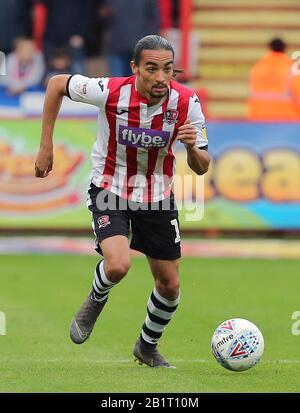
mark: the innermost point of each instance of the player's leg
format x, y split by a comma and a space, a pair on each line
161, 307
108, 273
111, 231
156, 234
112, 268
164, 299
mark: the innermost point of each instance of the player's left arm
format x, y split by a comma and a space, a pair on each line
193, 134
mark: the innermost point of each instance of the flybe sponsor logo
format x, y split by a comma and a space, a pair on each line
142, 138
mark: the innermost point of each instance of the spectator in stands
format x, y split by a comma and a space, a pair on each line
25, 67
59, 64
67, 25
15, 21
274, 89
128, 22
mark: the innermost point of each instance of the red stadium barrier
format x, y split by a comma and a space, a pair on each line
185, 27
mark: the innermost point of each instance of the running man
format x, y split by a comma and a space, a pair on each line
140, 118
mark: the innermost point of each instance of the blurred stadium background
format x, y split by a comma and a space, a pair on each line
242, 257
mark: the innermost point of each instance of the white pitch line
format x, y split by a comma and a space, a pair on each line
116, 361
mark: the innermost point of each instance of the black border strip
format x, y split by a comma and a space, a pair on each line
67, 87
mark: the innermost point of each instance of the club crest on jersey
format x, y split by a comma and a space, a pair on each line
171, 116
103, 221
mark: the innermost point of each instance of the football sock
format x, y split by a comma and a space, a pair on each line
101, 284
160, 311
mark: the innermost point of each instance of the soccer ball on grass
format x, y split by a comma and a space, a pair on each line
237, 344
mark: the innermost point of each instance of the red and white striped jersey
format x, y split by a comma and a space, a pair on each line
133, 155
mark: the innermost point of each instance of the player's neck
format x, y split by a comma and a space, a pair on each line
154, 101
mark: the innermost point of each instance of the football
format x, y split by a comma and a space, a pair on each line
237, 344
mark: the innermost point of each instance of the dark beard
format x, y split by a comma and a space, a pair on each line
159, 95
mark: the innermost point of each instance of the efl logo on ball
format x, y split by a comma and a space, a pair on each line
237, 344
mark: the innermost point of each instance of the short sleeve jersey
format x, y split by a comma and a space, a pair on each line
134, 153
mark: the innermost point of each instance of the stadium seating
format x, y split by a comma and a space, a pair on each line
245, 27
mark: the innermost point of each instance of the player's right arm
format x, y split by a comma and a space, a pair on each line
78, 88
56, 90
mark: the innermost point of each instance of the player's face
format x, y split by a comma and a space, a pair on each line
154, 73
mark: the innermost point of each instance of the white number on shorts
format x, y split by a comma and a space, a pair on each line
175, 223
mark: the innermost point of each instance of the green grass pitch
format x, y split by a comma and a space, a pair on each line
39, 295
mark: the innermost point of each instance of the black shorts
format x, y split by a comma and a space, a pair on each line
154, 232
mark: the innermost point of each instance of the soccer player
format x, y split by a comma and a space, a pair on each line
140, 119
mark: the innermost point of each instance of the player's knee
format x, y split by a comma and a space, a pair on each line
117, 268
168, 288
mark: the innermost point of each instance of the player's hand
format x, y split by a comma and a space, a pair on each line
187, 134
44, 163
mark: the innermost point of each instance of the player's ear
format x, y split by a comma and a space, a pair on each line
134, 67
